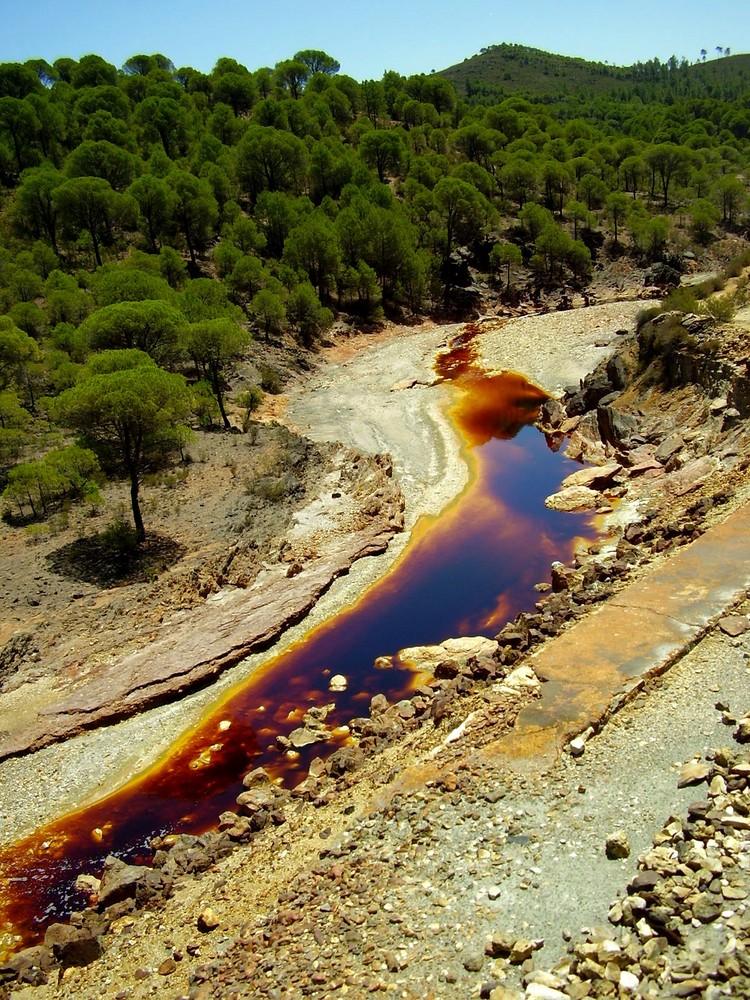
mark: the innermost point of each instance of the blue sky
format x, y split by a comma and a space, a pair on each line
410, 36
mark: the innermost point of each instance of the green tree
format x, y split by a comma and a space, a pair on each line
505, 255
270, 160
156, 205
668, 162
617, 209
19, 122
164, 120
519, 179
382, 150
64, 474
17, 351
196, 212
35, 210
307, 314
215, 345
318, 62
703, 217
462, 210
89, 204
268, 312
151, 326
102, 159
130, 413
731, 196
313, 248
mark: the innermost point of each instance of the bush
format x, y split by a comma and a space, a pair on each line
119, 540
737, 264
680, 299
720, 307
270, 380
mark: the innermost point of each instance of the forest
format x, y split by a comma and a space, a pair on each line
156, 221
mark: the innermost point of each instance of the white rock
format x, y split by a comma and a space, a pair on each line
629, 982
337, 683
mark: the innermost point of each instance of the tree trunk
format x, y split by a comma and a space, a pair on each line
140, 531
220, 400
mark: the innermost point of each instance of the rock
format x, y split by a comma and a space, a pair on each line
121, 881
595, 478
628, 981
523, 949
501, 943
538, 991
662, 276
305, 737
207, 921
344, 760
670, 446
337, 683
691, 475
552, 413
742, 732
258, 776
617, 846
473, 960
577, 746
29, 966
72, 945
734, 625
693, 773
616, 427
573, 498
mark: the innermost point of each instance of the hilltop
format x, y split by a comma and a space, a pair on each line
506, 69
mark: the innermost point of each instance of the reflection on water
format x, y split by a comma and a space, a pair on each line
464, 574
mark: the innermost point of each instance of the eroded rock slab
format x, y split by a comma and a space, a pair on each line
214, 638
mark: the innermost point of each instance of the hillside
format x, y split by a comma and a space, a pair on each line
505, 69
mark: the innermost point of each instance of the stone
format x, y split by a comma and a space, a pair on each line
670, 446
628, 981
121, 881
72, 945
734, 625
473, 960
595, 477
337, 683
617, 846
167, 967
523, 949
573, 498
207, 921
693, 773
501, 943
305, 737
577, 746
538, 991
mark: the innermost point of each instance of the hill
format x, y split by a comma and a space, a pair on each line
510, 69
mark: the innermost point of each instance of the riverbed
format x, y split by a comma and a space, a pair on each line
378, 394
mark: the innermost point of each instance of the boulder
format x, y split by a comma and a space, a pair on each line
72, 945
594, 478
573, 498
662, 276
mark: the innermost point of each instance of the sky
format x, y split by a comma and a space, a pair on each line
410, 36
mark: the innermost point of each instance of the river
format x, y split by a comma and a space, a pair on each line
465, 573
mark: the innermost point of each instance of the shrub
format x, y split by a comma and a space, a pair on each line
720, 307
